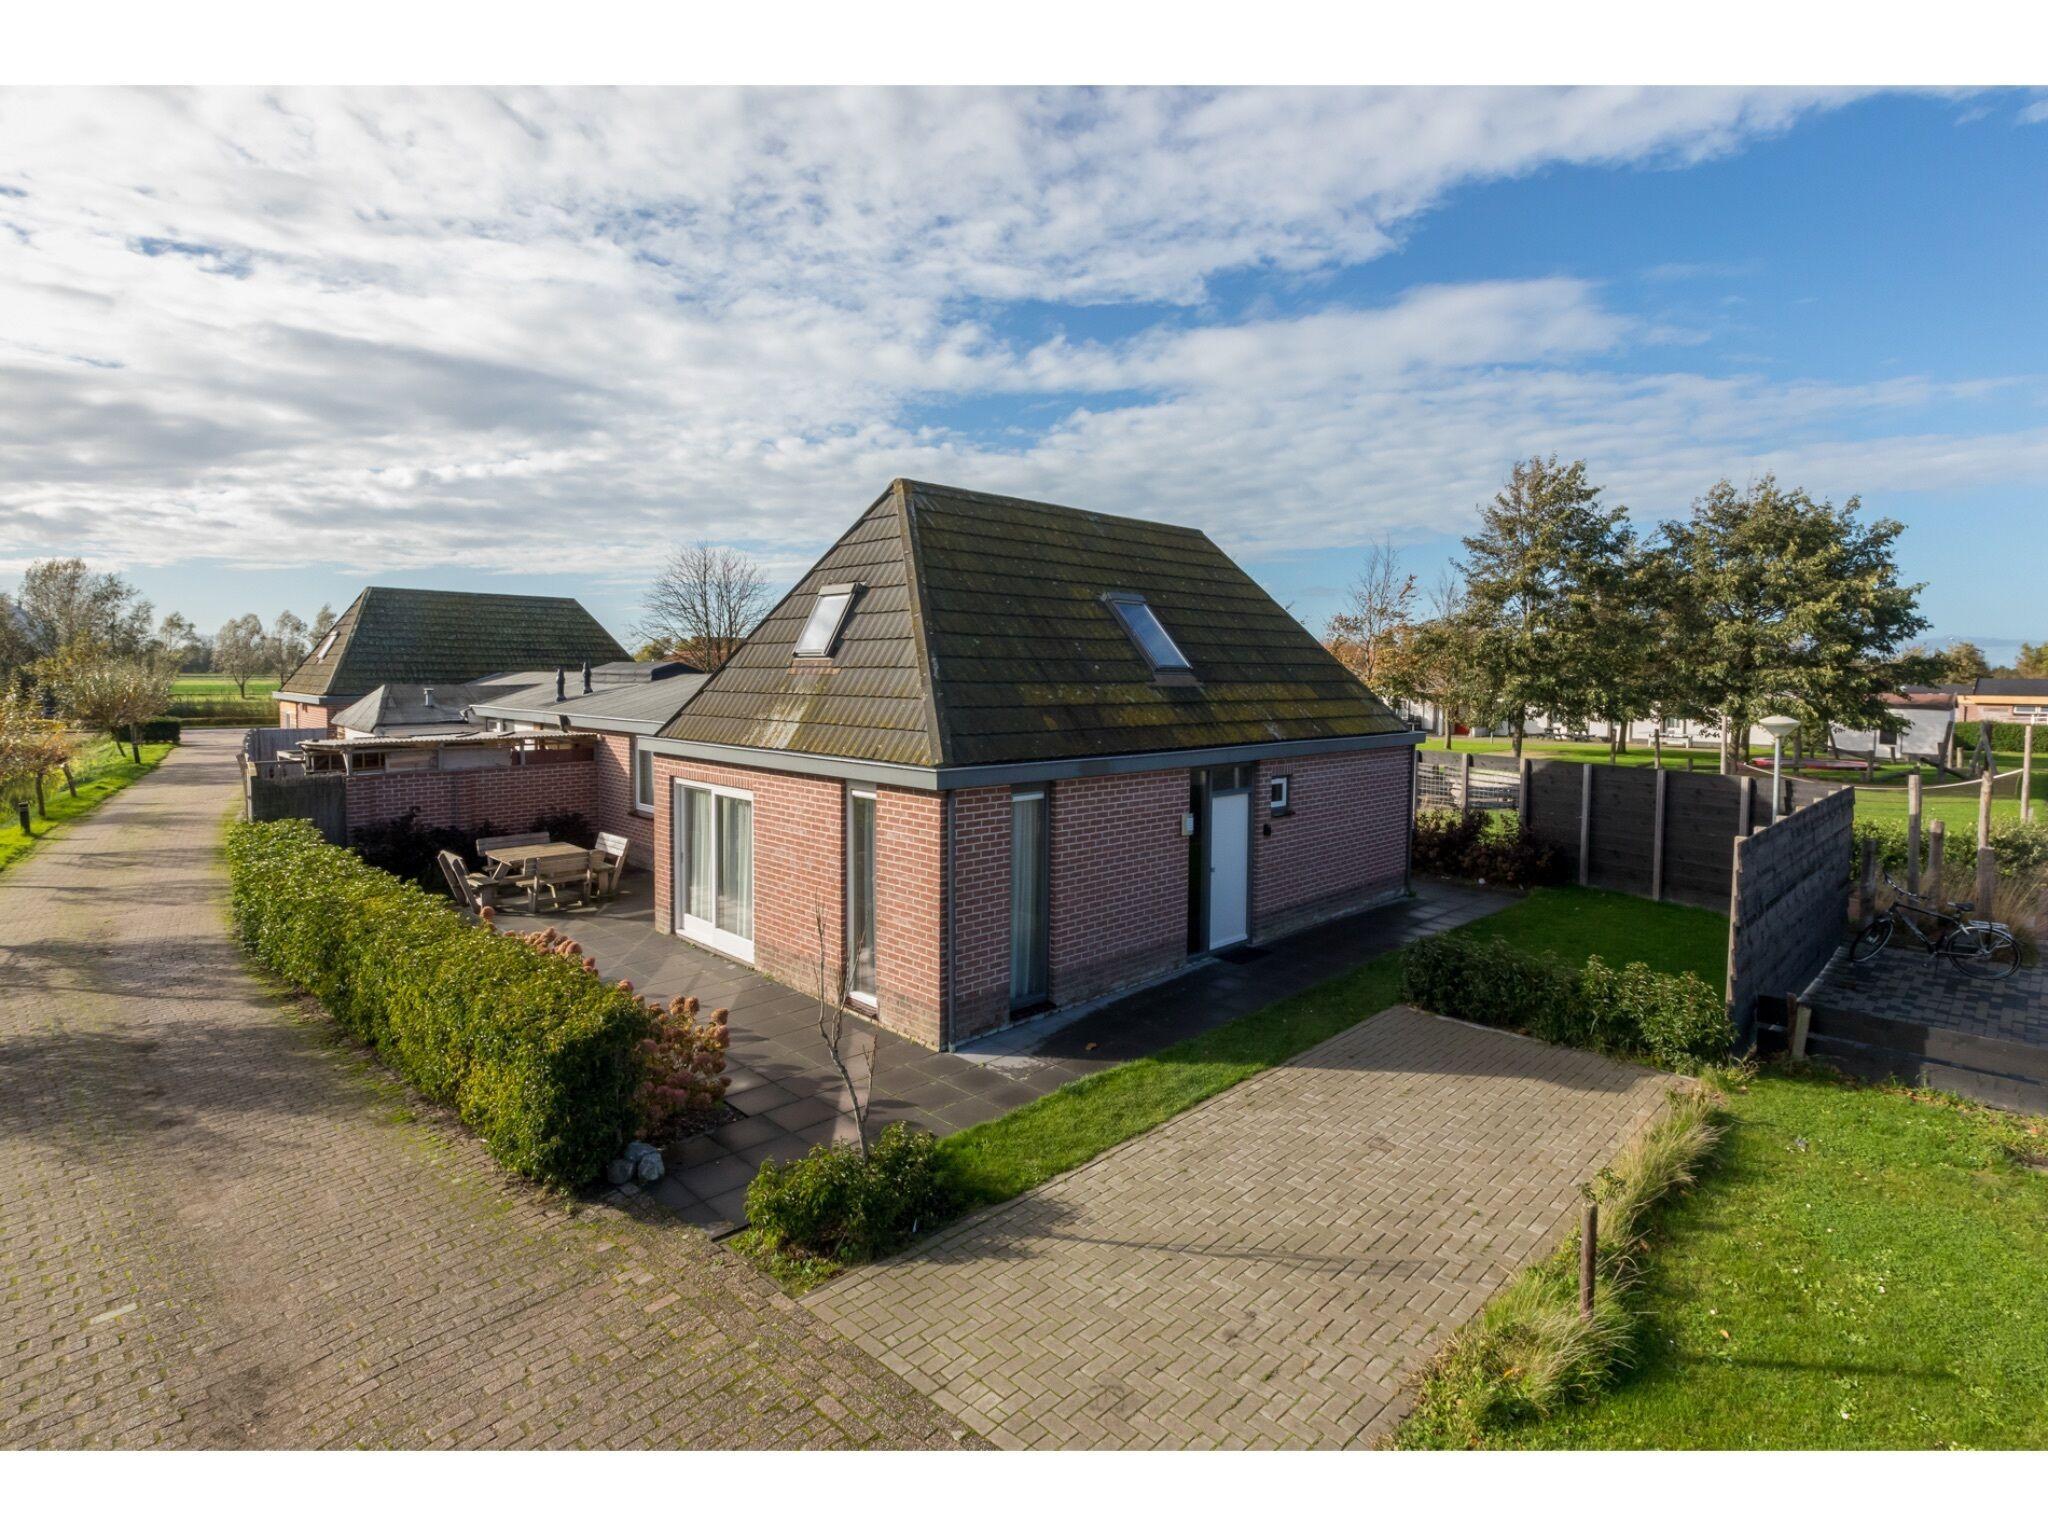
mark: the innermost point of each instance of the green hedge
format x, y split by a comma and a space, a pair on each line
2018, 846
163, 728
2007, 736
535, 1054
1679, 1022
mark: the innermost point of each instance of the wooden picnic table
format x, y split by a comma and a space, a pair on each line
515, 856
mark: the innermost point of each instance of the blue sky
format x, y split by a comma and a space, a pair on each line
266, 347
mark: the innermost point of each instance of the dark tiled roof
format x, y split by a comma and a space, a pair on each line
982, 638
2014, 687
405, 635
406, 704
643, 693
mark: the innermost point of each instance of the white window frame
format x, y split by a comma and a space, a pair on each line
846, 594
1280, 795
697, 929
643, 754
863, 792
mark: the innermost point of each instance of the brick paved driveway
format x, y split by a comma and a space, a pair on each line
220, 1228
1269, 1268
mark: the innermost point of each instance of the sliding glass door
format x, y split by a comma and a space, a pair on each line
860, 895
714, 867
1030, 903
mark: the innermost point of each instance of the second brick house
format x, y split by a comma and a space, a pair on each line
990, 757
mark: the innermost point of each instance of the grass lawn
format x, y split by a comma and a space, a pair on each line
1956, 807
208, 696
1859, 1268
1005, 1157
100, 771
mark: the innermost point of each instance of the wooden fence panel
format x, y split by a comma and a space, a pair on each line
1621, 840
320, 799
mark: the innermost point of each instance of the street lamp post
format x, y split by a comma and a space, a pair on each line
1780, 726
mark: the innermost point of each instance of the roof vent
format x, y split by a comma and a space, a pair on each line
586, 677
428, 696
561, 683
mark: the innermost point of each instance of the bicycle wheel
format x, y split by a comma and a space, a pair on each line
1873, 936
1983, 954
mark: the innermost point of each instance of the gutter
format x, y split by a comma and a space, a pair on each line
1048, 770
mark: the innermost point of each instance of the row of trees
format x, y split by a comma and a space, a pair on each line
1762, 600
1965, 662
64, 606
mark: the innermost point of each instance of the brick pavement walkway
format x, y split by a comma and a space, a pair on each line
1269, 1268
220, 1227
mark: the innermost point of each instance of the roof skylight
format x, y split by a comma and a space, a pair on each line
1147, 632
828, 618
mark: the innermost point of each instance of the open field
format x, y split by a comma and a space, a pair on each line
1861, 1267
100, 769
213, 697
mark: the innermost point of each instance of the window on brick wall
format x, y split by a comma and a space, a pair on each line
643, 778
860, 893
714, 867
1279, 796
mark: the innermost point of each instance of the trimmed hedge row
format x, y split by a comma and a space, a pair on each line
1678, 1022
163, 728
535, 1054
2019, 846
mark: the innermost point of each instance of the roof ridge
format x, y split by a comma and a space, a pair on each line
920, 635
1026, 504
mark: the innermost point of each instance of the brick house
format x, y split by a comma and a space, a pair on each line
991, 757
404, 635
621, 705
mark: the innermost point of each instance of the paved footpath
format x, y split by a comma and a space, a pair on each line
220, 1227
1270, 1268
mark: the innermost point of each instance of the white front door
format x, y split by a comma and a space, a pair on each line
1230, 848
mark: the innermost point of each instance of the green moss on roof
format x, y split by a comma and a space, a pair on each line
410, 635
981, 637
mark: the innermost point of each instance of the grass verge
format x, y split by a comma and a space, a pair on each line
105, 770
1531, 1351
1859, 1268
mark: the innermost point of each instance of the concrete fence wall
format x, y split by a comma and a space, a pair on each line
1788, 903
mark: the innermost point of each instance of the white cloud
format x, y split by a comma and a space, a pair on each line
550, 332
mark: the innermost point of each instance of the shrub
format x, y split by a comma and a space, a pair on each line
531, 1050
163, 728
2019, 846
1473, 846
1678, 1022
832, 1203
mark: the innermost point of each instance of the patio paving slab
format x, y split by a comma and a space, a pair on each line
782, 1072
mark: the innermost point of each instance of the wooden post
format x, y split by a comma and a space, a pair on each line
1987, 880
1415, 784
1870, 759
1465, 783
2027, 774
1937, 835
1984, 812
1585, 823
1522, 774
1734, 927
1745, 821
70, 784
1802, 1020
1589, 1247
1913, 833
1657, 842
1866, 888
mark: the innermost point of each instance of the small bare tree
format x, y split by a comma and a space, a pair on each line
832, 1030
1380, 608
704, 603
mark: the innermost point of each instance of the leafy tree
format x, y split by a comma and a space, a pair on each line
30, 747
704, 603
1960, 662
323, 621
242, 650
2033, 660
1437, 661
1781, 601
111, 693
1540, 576
179, 642
1380, 608
288, 644
63, 603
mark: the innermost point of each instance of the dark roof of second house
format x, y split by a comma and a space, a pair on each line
394, 705
981, 635
2014, 687
634, 695
408, 635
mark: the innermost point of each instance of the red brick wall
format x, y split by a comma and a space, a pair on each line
909, 912
615, 811
505, 797
981, 912
305, 716
1119, 881
1344, 846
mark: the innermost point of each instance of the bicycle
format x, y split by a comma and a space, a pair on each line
1981, 950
